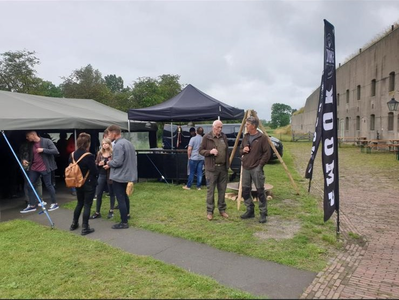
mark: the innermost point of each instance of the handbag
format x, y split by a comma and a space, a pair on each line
129, 188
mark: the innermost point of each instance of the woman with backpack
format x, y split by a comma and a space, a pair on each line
85, 193
103, 156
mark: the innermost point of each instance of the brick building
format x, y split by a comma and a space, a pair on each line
364, 86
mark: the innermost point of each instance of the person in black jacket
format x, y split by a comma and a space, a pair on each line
85, 193
255, 151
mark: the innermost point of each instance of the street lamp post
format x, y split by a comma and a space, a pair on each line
393, 105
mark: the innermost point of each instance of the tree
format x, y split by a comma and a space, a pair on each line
46, 88
169, 86
17, 71
87, 83
281, 115
148, 91
115, 84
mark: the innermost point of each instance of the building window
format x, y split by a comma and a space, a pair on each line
372, 122
358, 92
391, 81
357, 123
346, 123
390, 121
347, 96
338, 99
397, 124
373, 87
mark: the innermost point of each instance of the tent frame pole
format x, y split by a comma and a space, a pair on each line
44, 210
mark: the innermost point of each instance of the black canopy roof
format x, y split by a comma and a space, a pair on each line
190, 104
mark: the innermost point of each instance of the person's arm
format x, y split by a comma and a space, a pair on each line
98, 158
92, 165
49, 147
266, 151
189, 150
203, 148
118, 157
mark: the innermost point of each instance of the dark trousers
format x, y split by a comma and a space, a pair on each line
123, 199
218, 179
85, 195
257, 176
102, 183
33, 177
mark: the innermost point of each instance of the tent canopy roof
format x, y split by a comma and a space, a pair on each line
23, 112
190, 104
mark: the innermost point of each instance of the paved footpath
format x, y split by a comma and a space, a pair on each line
368, 267
258, 277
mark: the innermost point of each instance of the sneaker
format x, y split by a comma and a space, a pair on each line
186, 188
120, 226
95, 216
53, 206
74, 226
87, 230
199, 189
28, 209
95, 198
110, 215
43, 203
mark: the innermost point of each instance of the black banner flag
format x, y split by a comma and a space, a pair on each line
326, 128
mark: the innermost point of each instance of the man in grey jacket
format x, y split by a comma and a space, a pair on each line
41, 162
123, 170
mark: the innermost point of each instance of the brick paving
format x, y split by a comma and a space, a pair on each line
368, 266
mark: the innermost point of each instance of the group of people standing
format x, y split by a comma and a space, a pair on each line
212, 149
115, 165
116, 162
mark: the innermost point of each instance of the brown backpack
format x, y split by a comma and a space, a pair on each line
73, 174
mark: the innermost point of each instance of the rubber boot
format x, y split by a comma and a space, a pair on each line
86, 230
262, 205
262, 218
246, 194
248, 214
74, 225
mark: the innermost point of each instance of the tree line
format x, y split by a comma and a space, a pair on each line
18, 74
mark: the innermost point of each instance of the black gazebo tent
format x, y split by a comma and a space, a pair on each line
190, 104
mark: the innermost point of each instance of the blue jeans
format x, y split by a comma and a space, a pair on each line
195, 169
33, 177
123, 199
102, 183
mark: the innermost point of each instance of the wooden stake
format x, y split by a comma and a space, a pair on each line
239, 196
276, 152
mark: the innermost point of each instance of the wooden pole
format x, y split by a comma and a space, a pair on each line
239, 196
276, 152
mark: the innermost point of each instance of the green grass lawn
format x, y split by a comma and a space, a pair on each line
168, 209
38, 263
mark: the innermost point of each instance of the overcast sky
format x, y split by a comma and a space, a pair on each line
248, 54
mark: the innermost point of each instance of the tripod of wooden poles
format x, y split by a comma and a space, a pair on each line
253, 113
